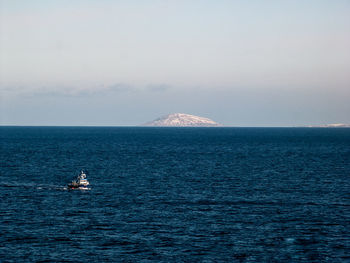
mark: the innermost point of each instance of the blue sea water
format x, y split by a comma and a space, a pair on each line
175, 194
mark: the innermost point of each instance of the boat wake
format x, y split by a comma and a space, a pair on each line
80, 183
32, 186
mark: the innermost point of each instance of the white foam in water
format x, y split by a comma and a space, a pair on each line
290, 240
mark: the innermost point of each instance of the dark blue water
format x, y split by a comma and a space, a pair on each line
175, 195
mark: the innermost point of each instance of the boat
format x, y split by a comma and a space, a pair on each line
80, 183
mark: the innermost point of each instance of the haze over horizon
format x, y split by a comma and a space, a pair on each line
110, 63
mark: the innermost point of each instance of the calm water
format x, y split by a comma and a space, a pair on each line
175, 194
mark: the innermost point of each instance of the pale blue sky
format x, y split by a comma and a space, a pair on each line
242, 63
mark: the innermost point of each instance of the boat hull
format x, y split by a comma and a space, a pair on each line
81, 187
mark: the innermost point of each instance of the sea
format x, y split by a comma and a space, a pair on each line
175, 194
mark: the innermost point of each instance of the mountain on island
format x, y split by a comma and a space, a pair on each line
182, 120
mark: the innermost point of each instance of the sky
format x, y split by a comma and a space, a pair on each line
120, 63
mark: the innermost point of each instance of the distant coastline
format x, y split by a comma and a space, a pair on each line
333, 125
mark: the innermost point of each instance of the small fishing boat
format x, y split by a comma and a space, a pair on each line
80, 183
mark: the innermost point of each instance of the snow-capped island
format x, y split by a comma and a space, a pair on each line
182, 120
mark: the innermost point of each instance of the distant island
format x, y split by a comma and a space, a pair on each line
182, 120
333, 125
188, 120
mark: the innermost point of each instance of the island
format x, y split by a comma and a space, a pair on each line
182, 120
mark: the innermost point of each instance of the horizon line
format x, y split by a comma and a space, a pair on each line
142, 126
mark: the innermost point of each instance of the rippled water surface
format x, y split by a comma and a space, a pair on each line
175, 195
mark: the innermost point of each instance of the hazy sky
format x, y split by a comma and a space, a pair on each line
244, 63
